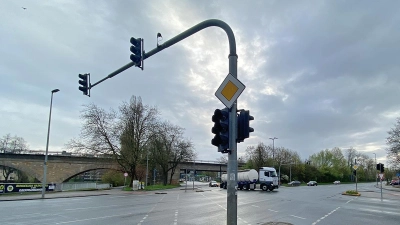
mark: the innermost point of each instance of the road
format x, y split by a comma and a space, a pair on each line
322, 204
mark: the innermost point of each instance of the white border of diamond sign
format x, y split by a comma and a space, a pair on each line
238, 84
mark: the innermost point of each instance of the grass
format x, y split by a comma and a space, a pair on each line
351, 192
153, 187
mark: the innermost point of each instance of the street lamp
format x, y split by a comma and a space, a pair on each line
376, 177
273, 147
47, 147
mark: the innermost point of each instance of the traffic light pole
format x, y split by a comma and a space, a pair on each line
231, 203
232, 158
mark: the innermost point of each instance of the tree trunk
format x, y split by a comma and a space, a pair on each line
172, 174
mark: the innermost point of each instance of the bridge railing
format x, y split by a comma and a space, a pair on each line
64, 153
81, 186
204, 161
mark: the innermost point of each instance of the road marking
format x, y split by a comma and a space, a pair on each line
272, 210
144, 218
94, 218
214, 202
298, 217
351, 200
244, 221
93, 207
176, 217
256, 206
325, 216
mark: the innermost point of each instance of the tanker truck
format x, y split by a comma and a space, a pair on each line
247, 179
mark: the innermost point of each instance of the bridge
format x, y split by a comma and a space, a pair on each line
62, 167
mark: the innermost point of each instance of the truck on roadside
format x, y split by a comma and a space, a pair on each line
266, 177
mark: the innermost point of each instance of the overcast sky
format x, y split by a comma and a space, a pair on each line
318, 74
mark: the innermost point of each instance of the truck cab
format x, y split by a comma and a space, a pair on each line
268, 178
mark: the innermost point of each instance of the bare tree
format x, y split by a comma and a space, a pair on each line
257, 156
223, 159
351, 154
123, 134
393, 141
169, 148
12, 145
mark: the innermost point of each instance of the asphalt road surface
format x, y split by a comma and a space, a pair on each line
322, 204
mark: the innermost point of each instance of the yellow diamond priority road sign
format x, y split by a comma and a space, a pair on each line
229, 90
355, 167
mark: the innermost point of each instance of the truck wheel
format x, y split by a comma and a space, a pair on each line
264, 187
271, 189
247, 186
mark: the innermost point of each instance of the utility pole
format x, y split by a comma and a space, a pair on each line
47, 147
273, 149
376, 174
147, 168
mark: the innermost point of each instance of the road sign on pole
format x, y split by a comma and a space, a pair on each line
381, 175
229, 90
355, 167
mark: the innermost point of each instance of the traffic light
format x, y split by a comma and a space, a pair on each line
137, 51
355, 172
244, 128
380, 167
221, 130
85, 83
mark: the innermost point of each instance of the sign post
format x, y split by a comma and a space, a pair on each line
125, 175
355, 167
381, 176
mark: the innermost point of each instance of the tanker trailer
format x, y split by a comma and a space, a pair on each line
247, 179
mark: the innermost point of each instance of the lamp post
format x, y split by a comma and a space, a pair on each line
47, 147
273, 148
376, 174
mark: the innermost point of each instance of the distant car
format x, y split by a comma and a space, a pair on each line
336, 182
312, 183
213, 184
294, 183
394, 182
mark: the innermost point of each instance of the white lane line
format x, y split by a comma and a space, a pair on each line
351, 200
176, 217
94, 218
272, 210
325, 216
298, 217
94, 207
151, 210
244, 221
214, 202
256, 206
144, 218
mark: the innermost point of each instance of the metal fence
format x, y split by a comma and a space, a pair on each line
81, 186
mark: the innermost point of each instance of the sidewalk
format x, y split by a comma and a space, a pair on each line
388, 187
67, 194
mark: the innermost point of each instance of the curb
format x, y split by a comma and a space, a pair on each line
344, 193
72, 196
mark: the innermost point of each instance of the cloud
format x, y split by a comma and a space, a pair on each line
317, 74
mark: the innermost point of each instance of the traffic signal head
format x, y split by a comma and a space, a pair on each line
355, 172
244, 128
221, 129
380, 167
85, 83
137, 51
